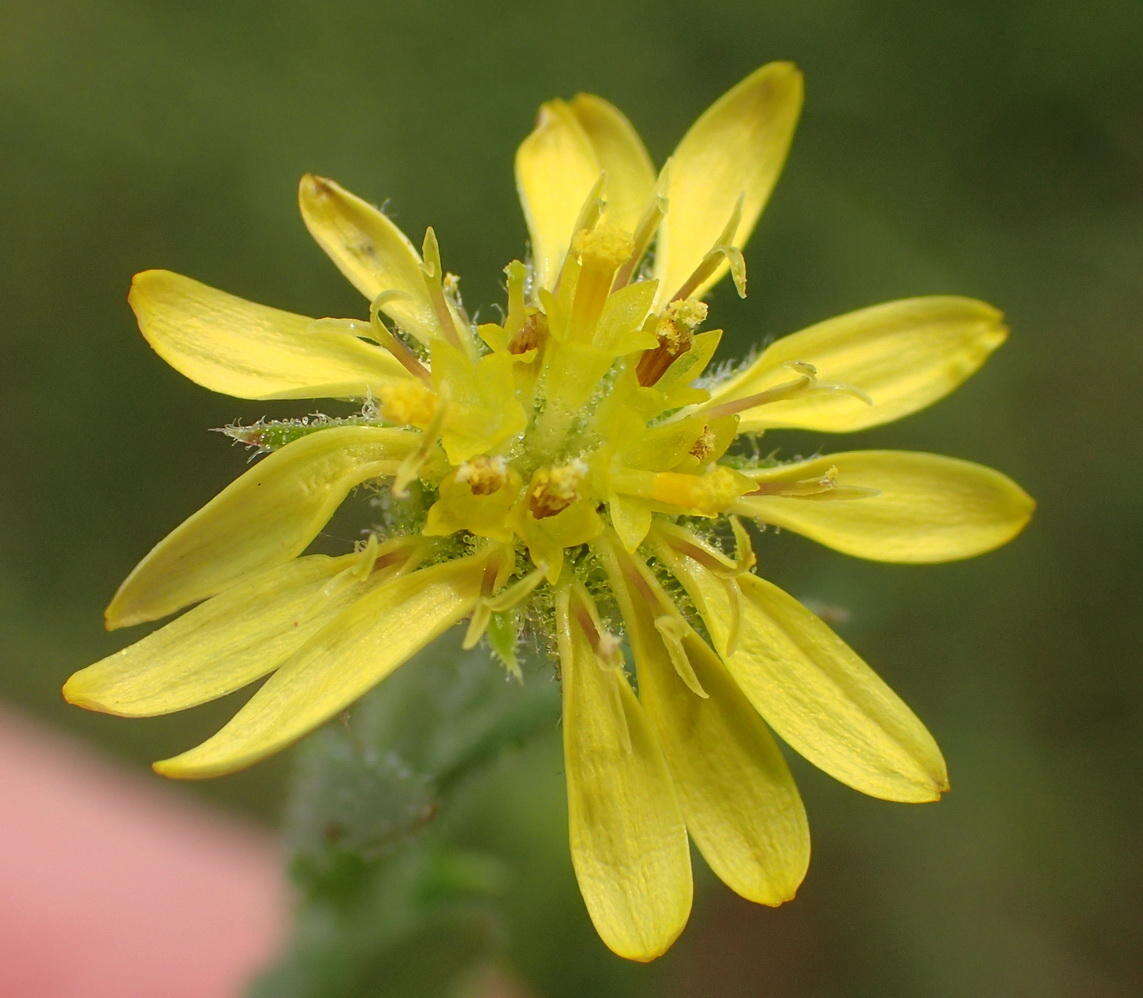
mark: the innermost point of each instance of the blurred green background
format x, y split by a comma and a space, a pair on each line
986, 148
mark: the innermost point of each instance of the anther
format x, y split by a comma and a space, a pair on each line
703, 447
529, 335
554, 489
675, 332
483, 475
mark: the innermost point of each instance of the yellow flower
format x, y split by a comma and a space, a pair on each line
566, 469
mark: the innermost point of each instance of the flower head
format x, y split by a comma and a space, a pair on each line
570, 470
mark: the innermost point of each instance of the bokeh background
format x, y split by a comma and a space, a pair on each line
987, 148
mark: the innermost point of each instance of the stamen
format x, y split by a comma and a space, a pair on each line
517, 279
525, 328
703, 447
607, 647
589, 214
481, 613
530, 335
823, 487
434, 278
675, 541
744, 557
683, 542
483, 475
359, 571
600, 251
723, 248
389, 340
649, 597
672, 630
450, 286
644, 233
554, 489
374, 558
806, 383
675, 331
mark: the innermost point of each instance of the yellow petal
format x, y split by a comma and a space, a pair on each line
630, 517
903, 354
739, 800
220, 646
547, 537
735, 149
628, 843
482, 410
556, 168
928, 508
814, 691
236, 347
352, 653
622, 156
264, 518
374, 255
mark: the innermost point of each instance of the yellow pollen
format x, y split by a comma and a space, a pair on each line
675, 330
674, 338
409, 403
703, 447
483, 475
688, 312
604, 247
600, 252
554, 489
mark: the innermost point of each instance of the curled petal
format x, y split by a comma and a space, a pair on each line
628, 843
902, 355
264, 518
556, 169
814, 691
236, 347
735, 150
921, 507
353, 652
374, 255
